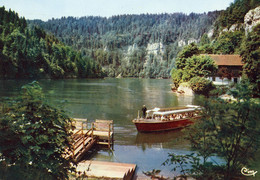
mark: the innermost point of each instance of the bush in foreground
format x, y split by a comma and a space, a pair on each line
33, 137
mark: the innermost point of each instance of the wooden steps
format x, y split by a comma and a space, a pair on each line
101, 132
106, 170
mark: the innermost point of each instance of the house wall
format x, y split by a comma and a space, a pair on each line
225, 81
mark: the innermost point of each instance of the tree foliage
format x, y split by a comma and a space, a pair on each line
228, 42
250, 52
29, 52
193, 66
34, 136
187, 52
201, 85
235, 13
229, 130
109, 40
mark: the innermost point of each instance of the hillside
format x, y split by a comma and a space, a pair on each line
236, 31
30, 52
132, 45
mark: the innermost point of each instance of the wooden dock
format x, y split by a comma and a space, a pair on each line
101, 132
104, 130
105, 170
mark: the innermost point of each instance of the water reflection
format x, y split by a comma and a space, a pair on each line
118, 100
167, 139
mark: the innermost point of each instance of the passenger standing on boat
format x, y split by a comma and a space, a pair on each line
144, 109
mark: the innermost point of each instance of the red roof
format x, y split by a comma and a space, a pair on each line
227, 60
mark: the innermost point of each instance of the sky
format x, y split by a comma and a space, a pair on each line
48, 9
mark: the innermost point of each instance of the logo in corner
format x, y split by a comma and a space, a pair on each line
247, 172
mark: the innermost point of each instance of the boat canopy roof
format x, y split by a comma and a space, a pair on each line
165, 113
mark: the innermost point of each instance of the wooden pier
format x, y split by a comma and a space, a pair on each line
101, 132
105, 170
104, 130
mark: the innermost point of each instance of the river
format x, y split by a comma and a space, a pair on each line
118, 100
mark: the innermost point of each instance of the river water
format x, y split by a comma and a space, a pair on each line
118, 100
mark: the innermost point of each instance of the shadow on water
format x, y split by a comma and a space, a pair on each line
167, 139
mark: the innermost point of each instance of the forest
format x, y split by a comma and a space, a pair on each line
143, 45
29, 53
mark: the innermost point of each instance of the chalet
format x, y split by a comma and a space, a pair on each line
229, 69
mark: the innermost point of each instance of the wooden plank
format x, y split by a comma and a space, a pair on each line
86, 149
102, 133
99, 169
83, 140
104, 121
80, 123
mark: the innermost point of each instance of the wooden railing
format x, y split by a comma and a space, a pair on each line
104, 129
81, 142
101, 132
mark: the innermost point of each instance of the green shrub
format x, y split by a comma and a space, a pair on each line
33, 137
201, 85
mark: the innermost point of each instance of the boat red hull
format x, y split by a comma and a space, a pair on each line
142, 126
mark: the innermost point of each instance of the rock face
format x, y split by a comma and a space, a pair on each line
210, 33
252, 18
131, 49
155, 48
181, 43
183, 89
192, 40
236, 27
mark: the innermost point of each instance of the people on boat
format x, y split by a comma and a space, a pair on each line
144, 109
163, 118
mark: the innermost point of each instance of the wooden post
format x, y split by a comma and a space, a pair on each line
73, 153
109, 135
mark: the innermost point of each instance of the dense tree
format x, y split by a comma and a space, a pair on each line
201, 85
194, 66
204, 40
228, 42
235, 13
187, 52
29, 52
34, 136
101, 37
250, 52
228, 129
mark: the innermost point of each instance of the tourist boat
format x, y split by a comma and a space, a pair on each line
164, 119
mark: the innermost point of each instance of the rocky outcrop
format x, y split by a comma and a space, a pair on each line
131, 49
192, 40
183, 89
210, 33
251, 19
155, 48
234, 27
181, 43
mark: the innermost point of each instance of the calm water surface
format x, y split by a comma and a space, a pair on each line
118, 100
